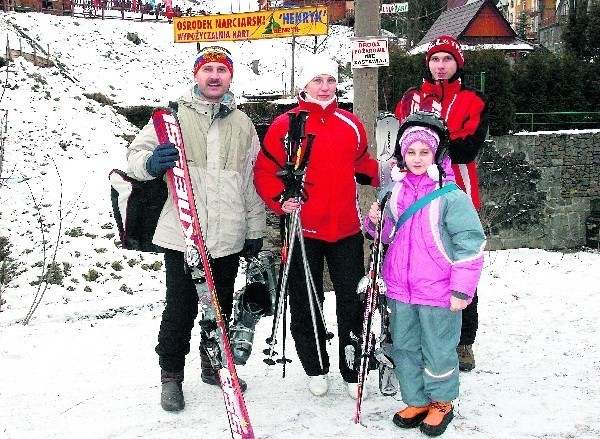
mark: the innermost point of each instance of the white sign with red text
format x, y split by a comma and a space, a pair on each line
370, 52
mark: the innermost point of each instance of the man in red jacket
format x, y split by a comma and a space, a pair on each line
328, 212
466, 113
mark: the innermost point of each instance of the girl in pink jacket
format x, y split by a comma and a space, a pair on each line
431, 269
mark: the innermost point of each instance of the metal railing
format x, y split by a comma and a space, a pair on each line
559, 120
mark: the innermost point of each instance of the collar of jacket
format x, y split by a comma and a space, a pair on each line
428, 77
418, 181
441, 89
218, 109
316, 109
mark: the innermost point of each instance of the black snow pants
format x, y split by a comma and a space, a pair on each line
470, 322
346, 267
181, 306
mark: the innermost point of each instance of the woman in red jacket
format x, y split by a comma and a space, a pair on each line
466, 113
329, 213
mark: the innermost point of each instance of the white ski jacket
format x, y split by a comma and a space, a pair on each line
221, 145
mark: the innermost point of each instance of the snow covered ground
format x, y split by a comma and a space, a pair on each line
85, 367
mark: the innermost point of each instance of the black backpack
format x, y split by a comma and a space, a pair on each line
137, 206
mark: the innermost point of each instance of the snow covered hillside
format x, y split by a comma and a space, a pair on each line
84, 366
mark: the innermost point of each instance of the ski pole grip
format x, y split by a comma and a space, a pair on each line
302, 116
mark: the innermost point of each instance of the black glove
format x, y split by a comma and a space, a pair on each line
162, 159
252, 247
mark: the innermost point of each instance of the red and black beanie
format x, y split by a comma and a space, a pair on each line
447, 44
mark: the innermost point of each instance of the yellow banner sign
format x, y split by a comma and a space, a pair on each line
273, 23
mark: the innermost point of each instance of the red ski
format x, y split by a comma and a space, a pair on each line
374, 287
197, 258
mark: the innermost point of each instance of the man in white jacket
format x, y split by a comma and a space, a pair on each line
221, 147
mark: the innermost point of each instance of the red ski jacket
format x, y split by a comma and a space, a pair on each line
338, 159
466, 113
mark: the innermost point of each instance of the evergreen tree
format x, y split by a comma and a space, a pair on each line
405, 71
576, 34
570, 89
522, 25
534, 76
420, 16
499, 87
591, 79
594, 31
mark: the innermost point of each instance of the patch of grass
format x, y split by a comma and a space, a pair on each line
54, 274
38, 78
74, 232
9, 268
126, 289
100, 98
91, 276
67, 268
156, 266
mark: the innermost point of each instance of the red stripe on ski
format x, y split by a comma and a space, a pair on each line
371, 302
168, 130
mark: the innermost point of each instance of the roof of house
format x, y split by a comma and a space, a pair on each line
470, 25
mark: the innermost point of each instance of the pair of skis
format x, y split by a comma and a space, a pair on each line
372, 286
197, 259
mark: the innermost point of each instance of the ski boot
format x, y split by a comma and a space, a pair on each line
210, 363
353, 353
261, 269
206, 306
251, 304
388, 382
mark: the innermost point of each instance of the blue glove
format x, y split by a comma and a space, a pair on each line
252, 247
162, 159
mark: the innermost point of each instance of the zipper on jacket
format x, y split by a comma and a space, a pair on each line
408, 264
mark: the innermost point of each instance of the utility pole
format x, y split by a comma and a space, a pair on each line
292, 85
365, 79
366, 24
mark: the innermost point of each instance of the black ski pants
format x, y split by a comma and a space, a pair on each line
346, 267
181, 305
470, 322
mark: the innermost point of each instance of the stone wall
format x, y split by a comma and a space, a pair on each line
537, 189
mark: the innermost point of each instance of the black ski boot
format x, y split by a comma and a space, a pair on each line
252, 302
262, 269
209, 374
171, 396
